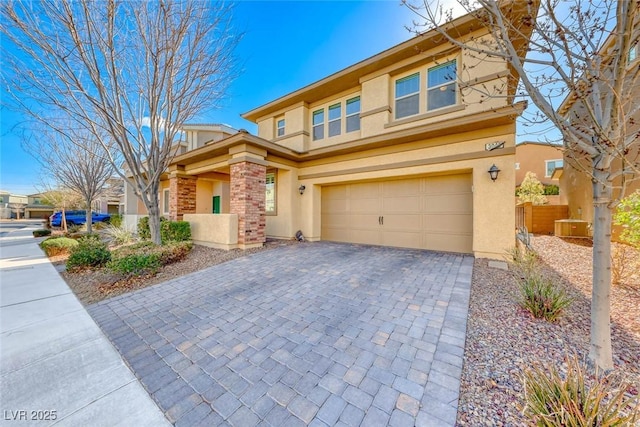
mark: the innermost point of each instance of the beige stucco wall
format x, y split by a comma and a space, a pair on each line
282, 224
218, 231
204, 196
532, 157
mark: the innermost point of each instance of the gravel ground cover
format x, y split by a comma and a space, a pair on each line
504, 339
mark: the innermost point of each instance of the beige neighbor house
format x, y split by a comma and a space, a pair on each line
394, 150
539, 158
37, 207
576, 188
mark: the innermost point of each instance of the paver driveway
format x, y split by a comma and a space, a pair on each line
315, 333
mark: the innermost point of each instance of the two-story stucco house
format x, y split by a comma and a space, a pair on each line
394, 150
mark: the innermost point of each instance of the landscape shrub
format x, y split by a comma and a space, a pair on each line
564, 399
551, 190
542, 297
144, 232
524, 262
58, 245
531, 190
628, 216
175, 231
41, 233
90, 252
116, 220
146, 258
624, 265
119, 235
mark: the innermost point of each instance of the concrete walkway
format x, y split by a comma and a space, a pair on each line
314, 334
56, 365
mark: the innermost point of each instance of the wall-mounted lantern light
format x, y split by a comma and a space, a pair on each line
493, 172
301, 189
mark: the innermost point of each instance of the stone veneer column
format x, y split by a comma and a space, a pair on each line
182, 195
248, 202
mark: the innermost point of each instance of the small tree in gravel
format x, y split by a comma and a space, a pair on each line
531, 190
628, 216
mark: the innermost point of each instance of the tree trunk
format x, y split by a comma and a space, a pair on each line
154, 224
89, 219
600, 350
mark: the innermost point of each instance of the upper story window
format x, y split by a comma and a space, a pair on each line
280, 128
551, 165
335, 119
353, 114
408, 96
441, 86
318, 124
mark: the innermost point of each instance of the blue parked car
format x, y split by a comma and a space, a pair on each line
77, 218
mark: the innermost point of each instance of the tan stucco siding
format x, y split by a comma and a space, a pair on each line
532, 158
282, 224
204, 196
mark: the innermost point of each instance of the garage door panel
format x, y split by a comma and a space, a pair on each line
404, 204
395, 222
369, 190
448, 184
433, 213
452, 223
402, 239
447, 203
404, 187
448, 242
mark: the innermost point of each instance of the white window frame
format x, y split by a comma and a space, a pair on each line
319, 125
166, 201
633, 53
397, 98
348, 116
271, 176
546, 166
280, 124
336, 106
442, 85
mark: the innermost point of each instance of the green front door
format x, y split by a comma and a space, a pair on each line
216, 204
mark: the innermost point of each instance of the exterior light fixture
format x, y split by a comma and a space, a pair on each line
493, 172
301, 189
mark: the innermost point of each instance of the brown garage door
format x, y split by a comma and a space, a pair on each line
426, 213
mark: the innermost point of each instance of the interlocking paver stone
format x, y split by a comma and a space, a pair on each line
317, 334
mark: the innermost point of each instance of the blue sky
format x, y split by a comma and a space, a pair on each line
287, 45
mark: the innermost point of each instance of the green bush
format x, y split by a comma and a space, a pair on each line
135, 264
551, 190
116, 220
628, 216
175, 231
564, 399
90, 252
524, 262
146, 258
542, 298
41, 233
58, 245
169, 230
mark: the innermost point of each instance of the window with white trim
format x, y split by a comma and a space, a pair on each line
335, 119
633, 52
353, 114
270, 193
280, 128
551, 165
165, 201
407, 96
318, 125
441, 86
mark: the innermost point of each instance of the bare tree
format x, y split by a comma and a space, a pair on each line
61, 199
133, 71
17, 208
74, 159
575, 53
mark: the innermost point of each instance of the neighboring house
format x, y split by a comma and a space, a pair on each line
37, 207
394, 150
539, 158
194, 136
576, 188
111, 201
12, 205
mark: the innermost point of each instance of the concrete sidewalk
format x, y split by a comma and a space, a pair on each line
56, 365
